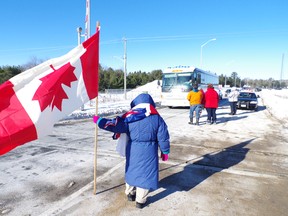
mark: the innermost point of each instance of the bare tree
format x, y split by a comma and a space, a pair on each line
34, 61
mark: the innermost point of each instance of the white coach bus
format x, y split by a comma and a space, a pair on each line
178, 81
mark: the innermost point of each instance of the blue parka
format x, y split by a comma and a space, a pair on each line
145, 136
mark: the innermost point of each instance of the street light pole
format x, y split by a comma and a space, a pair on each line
213, 39
79, 30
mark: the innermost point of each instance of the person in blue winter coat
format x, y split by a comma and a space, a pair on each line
146, 131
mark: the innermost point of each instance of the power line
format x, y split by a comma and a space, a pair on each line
23, 51
198, 36
39, 49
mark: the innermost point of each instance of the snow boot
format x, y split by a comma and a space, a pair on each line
131, 197
140, 205
191, 121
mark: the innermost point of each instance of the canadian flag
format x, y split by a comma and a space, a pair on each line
33, 101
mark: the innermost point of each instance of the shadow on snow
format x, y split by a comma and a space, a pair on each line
197, 172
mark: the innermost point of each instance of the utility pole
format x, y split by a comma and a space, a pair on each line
125, 66
87, 20
281, 74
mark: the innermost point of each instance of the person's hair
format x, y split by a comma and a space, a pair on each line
210, 85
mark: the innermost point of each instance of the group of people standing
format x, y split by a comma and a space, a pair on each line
199, 100
209, 100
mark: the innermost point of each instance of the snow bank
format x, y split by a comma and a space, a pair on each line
115, 103
276, 102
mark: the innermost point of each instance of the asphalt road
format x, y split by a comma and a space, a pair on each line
237, 167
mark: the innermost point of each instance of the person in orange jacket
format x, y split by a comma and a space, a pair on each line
195, 97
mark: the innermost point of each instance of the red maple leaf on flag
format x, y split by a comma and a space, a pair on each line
51, 92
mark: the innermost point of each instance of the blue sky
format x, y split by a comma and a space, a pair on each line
251, 35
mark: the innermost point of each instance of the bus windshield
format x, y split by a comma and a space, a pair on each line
178, 81
174, 80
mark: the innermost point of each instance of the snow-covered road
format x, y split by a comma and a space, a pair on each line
237, 167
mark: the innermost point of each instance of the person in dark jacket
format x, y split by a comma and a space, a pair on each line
146, 131
211, 104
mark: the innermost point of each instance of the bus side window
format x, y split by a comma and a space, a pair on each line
199, 78
195, 77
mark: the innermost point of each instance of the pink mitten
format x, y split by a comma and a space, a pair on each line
164, 157
95, 119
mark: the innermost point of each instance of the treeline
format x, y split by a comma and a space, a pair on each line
114, 79
108, 77
235, 80
6, 72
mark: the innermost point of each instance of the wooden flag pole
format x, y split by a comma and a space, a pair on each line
96, 131
95, 147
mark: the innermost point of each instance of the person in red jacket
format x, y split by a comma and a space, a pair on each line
211, 104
